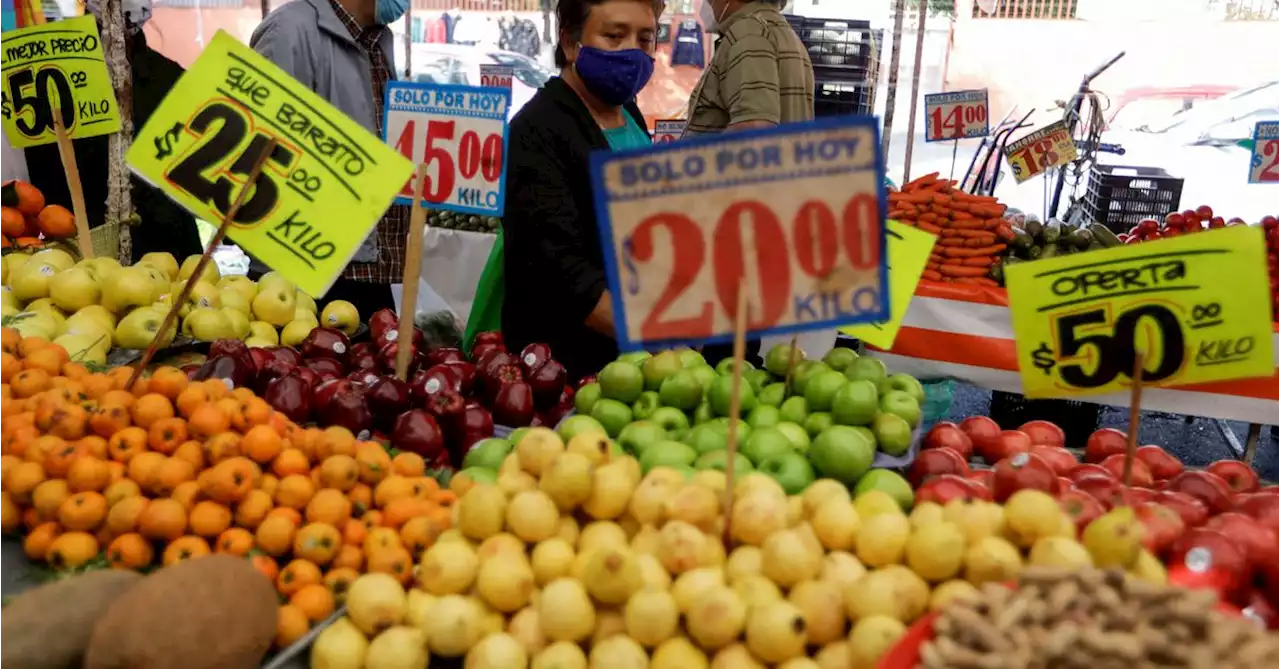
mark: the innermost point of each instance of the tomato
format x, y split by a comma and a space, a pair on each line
1148, 226
1190, 215
1123, 237
1204, 211
1174, 220
1133, 240
1236, 220
1269, 222
1174, 232
1217, 222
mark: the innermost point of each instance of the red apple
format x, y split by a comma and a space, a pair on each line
584, 381
236, 371
1089, 468
1260, 506
1044, 433
935, 462
286, 354
944, 488
234, 348
1208, 488
364, 377
1163, 466
443, 354
547, 381
1102, 487
447, 408
367, 361
1139, 475
1008, 444
1162, 526
1140, 495
388, 397
417, 432
1023, 471
513, 403
1258, 543
1058, 458
982, 477
479, 350
533, 355
1081, 506
290, 395
477, 424
1192, 511
1270, 490
1103, 443
1260, 607
260, 355
327, 389
949, 435
500, 377
980, 430
466, 374
1205, 558
1065, 484
309, 377
347, 407
489, 337
326, 343
382, 321
325, 367
1239, 476
434, 380
493, 358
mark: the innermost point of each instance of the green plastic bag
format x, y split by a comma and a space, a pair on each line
486, 309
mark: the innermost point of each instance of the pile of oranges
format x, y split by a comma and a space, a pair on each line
173, 469
25, 217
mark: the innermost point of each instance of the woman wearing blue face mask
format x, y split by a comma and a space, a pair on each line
554, 270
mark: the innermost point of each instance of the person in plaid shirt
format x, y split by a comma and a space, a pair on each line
342, 50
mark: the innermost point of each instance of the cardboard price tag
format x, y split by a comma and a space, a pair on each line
324, 187
956, 115
460, 133
493, 75
1263, 165
56, 65
1050, 146
795, 215
668, 131
1197, 307
908, 253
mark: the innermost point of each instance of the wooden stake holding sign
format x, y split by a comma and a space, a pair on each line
1135, 414
67, 151
170, 319
412, 268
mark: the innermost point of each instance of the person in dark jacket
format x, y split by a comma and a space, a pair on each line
554, 266
165, 225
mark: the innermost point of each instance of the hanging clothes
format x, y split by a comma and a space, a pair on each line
688, 49
437, 31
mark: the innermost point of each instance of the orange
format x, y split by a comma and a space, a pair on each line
235, 540
317, 542
340, 471
268, 484
354, 532
70, 422
88, 473
192, 452
29, 344
169, 474
108, 419
291, 624
28, 382
9, 366
23, 479
400, 511
58, 459
348, 557
9, 340
375, 463
230, 480
75, 370
209, 519
295, 491
315, 600
253, 509
275, 536
296, 575
395, 561
255, 411
329, 506
266, 565
288, 514
129, 551
166, 434
71, 550
262, 444
16, 441
150, 408
56, 220
191, 398
392, 488
335, 440
121, 490
206, 421
217, 388
222, 446
117, 397
168, 381
380, 539
83, 511
185, 548
46, 358
126, 443
94, 446
290, 461
143, 467
409, 464
231, 408
187, 494
420, 533
163, 519
48, 497
36, 545
339, 579
10, 516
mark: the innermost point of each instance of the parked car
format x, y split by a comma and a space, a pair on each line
459, 64
1142, 105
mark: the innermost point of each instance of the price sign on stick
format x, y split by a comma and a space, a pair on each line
1050, 146
325, 185
1264, 167
460, 133
56, 66
668, 131
493, 75
956, 115
908, 253
1196, 308
793, 215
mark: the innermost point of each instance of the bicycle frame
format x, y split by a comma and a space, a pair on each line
1073, 114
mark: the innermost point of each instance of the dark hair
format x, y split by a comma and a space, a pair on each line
571, 16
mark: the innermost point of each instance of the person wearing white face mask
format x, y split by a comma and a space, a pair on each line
760, 75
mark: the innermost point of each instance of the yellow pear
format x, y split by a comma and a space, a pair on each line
31, 281
209, 275
275, 303
342, 315
47, 307
103, 267
88, 349
35, 324
240, 284
158, 277
15, 260
74, 289
304, 301
238, 321
263, 330
230, 298
301, 314
295, 332
94, 312
162, 261
56, 257
126, 288
208, 324
137, 329
7, 298
275, 280
202, 295
81, 323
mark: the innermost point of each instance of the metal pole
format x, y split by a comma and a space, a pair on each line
915, 92
891, 99
408, 42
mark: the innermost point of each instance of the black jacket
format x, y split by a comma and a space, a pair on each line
554, 263
166, 225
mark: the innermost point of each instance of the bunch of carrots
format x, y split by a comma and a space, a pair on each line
971, 233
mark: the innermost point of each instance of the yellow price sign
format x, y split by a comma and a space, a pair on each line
908, 253
1050, 146
1196, 307
322, 189
56, 65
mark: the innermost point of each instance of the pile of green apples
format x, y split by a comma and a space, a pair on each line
671, 409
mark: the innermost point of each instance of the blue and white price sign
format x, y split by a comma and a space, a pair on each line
1263, 167
460, 134
956, 115
794, 215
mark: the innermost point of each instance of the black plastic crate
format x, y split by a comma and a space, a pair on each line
839, 43
843, 98
1119, 196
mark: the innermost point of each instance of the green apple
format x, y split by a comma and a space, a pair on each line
893, 434
703, 413
799, 437
575, 425
816, 422
763, 416
586, 398
640, 435
725, 367
621, 381
691, 358
518, 434
758, 378
612, 414
705, 374
778, 359
481, 474
841, 453
870, 369
636, 358
839, 358
658, 368
705, 438
722, 391
681, 390
805, 371
766, 443
867, 434
856, 403
672, 420
772, 394
719, 461
889, 482
791, 470
822, 387
744, 430
667, 453
906, 383
794, 410
645, 405
903, 404
487, 453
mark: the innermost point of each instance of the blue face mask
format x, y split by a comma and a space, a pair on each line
390, 11
613, 76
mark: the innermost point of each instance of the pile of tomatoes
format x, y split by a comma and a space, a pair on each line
1179, 223
1269, 225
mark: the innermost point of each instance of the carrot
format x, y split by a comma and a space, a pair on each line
978, 281
928, 218
987, 210
951, 241
1004, 232
966, 232
913, 198
983, 239
959, 215
961, 271
920, 182
929, 227
931, 275
980, 261
932, 265
955, 252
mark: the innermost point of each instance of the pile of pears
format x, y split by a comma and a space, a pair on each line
575, 557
